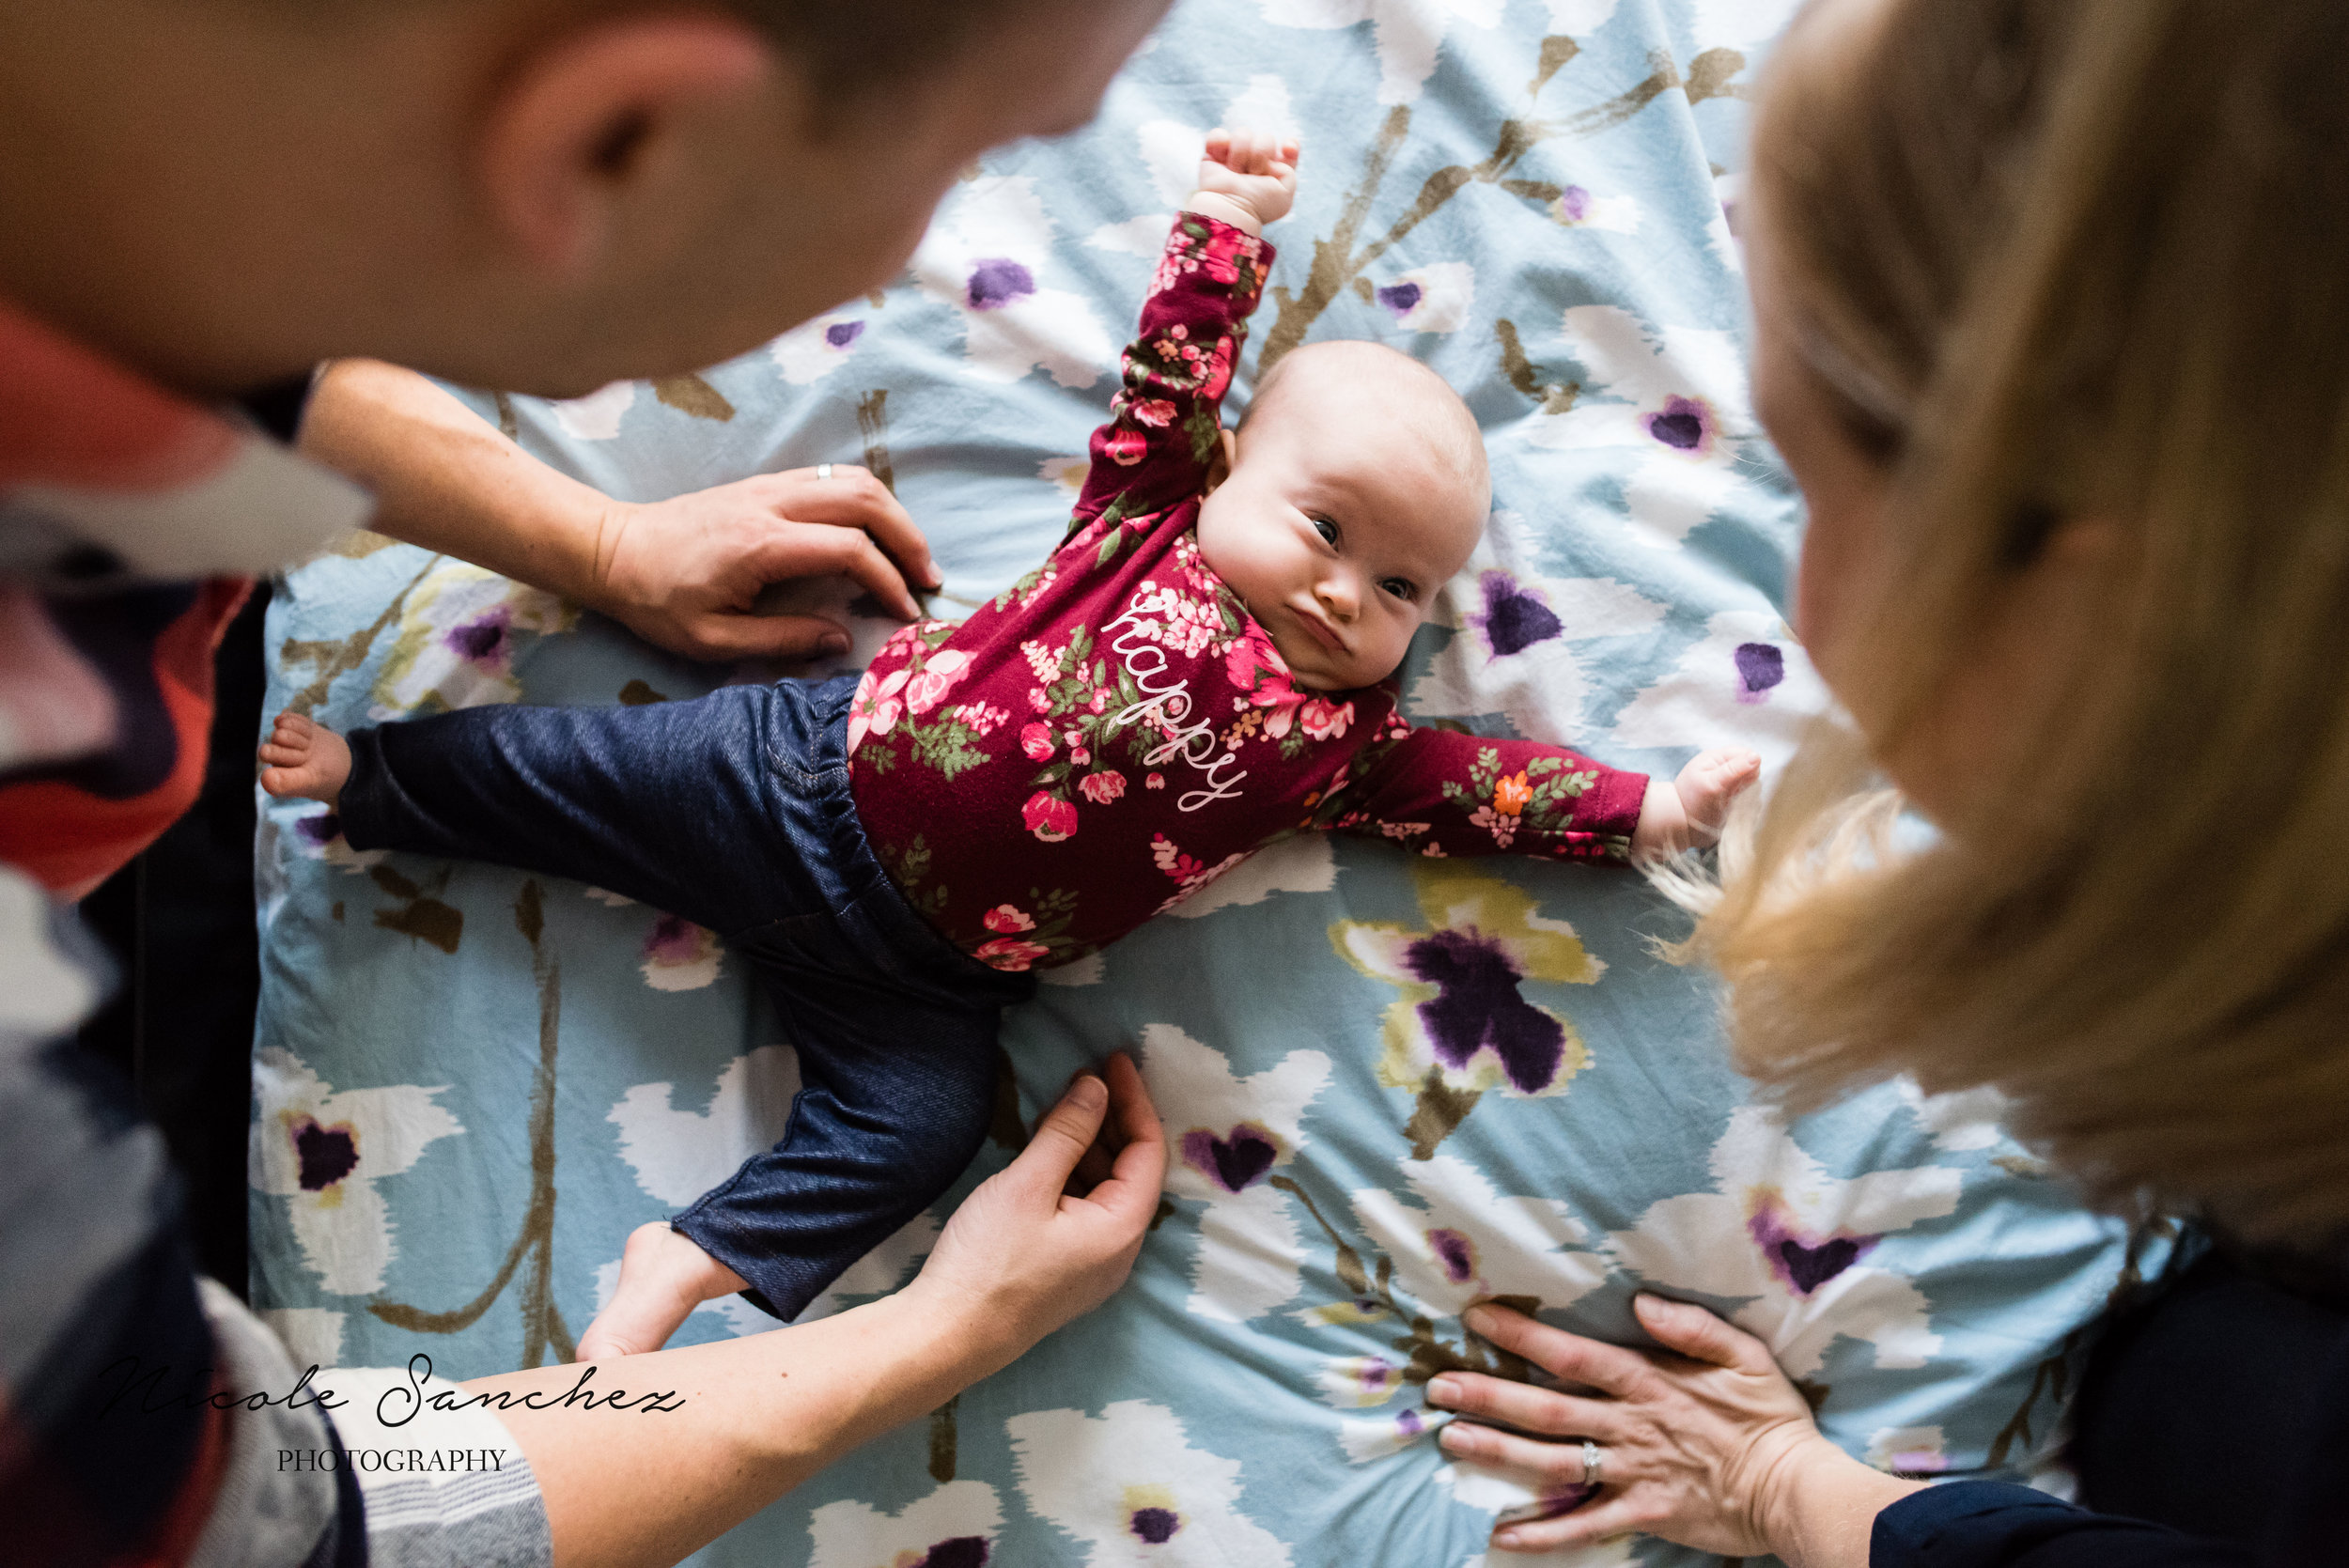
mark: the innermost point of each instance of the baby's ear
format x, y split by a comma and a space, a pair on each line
1219, 462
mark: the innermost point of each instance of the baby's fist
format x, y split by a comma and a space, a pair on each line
1250, 171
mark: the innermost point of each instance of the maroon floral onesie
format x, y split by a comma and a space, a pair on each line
1116, 731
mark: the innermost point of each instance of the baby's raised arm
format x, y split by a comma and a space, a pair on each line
1247, 178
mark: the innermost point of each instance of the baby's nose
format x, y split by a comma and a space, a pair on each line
1338, 596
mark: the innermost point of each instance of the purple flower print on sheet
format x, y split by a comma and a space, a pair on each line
1685, 425
323, 1155
1234, 1163
1803, 1261
322, 1151
1463, 1024
997, 282
1761, 670
1230, 1136
954, 1527
1797, 1244
484, 640
1479, 1006
1432, 298
460, 631
1130, 1486
680, 956
1154, 1526
1516, 617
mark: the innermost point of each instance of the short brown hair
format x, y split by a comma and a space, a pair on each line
852, 47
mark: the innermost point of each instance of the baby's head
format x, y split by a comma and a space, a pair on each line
1355, 486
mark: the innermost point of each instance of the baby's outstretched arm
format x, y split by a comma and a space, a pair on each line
306, 759
1248, 180
1688, 813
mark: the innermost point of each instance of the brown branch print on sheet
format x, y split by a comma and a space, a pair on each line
1373, 1294
420, 915
334, 661
872, 421
1341, 262
693, 394
2053, 1375
532, 1254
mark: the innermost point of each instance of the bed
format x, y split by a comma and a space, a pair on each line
471, 1083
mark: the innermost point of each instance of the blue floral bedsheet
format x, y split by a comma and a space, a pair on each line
471, 1083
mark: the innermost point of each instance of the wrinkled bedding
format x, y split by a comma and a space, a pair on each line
472, 1083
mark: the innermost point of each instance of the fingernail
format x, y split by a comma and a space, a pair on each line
834, 643
1445, 1390
1088, 1092
1476, 1317
1454, 1439
1507, 1540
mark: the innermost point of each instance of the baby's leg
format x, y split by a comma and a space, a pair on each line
897, 1090
678, 806
664, 1277
306, 759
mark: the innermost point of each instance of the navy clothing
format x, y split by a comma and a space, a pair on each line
2219, 1412
734, 812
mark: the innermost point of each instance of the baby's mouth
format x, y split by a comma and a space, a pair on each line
1320, 630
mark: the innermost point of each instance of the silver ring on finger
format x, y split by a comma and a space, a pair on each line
823, 471
1593, 1463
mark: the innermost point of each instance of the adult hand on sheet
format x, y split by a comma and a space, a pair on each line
1704, 1443
684, 573
1037, 1245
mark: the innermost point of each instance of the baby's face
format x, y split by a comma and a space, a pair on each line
1337, 524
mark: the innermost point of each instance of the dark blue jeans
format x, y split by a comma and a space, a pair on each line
734, 812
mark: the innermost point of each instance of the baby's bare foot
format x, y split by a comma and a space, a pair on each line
1708, 785
664, 1277
306, 759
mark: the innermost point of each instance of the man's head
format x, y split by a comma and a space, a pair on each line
1355, 486
536, 194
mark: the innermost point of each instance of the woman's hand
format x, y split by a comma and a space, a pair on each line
1705, 1444
684, 573
1029, 1251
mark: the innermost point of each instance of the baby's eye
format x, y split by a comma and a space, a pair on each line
1327, 530
1401, 587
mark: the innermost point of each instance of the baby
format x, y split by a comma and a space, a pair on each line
1203, 667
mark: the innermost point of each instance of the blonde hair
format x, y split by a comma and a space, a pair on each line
2053, 259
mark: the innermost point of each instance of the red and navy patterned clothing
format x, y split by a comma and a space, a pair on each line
1116, 731
119, 505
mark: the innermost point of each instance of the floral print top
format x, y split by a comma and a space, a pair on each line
1115, 731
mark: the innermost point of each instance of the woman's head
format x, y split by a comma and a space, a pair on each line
2055, 327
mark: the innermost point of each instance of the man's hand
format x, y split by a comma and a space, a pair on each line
1037, 1245
684, 573
1246, 179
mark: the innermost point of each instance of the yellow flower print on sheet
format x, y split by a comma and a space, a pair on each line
1462, 1026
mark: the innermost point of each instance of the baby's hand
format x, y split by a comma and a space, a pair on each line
1247, 178
1687, 813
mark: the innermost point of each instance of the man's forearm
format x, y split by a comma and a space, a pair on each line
444, 478
751, 1419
